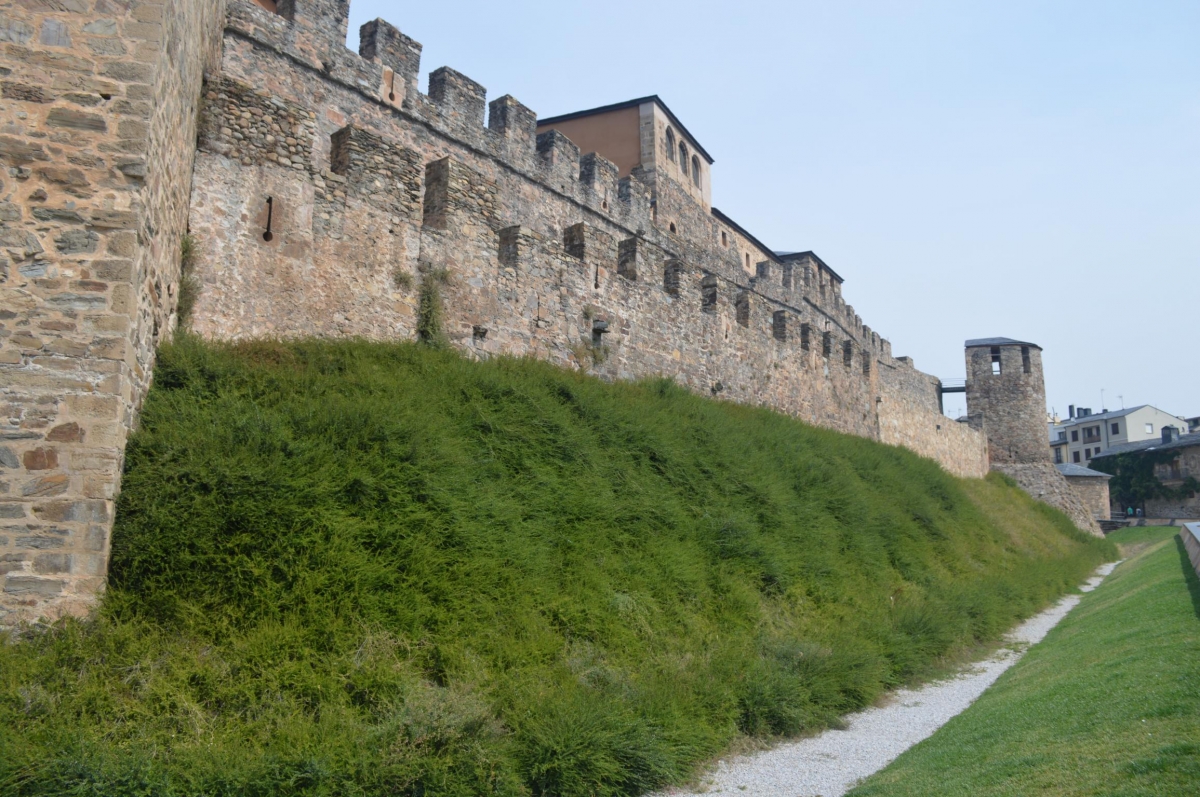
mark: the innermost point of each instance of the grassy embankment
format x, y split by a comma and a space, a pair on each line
352, 569
1108, 704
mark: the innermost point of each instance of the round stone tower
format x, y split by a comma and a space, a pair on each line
1006, 399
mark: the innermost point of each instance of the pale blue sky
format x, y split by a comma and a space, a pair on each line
1025, 169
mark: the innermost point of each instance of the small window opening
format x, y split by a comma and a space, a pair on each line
696, 171
995, 361
826, 344
724, 239
805, 337
392, 87
747, 261
847, 354
268, 235
478, 332
1058, 456
1075, 456
1116, 428
1149, 428
1026, 366
604, 204
672, 226
683, 158
866, 363
671, 145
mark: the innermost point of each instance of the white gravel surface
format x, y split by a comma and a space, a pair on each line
830, 764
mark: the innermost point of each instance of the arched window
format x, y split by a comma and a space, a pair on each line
695, 170
671, 144
683, 158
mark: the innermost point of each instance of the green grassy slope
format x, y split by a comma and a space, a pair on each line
1108, 704
355, 569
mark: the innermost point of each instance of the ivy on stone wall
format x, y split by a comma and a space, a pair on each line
1134, 481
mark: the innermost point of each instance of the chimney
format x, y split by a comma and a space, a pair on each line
1169, 434
1071, 411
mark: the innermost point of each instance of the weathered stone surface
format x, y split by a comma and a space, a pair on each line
99, 109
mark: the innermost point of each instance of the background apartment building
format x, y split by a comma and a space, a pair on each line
1084, 435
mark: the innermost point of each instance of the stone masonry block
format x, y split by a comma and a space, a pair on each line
513, 121
462, 101
379, 40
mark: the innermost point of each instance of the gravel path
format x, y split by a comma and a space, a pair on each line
830, 764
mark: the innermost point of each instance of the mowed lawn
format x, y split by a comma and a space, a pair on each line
1108, 704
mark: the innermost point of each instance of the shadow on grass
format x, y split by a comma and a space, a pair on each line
1189, 575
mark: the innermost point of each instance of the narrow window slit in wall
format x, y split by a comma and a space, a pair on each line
268, 235
826, 344
866, 363
596, 279
672, 226
724, 239
1025, 364
995, 361
392, 87
599, 330
847, 354
805, 337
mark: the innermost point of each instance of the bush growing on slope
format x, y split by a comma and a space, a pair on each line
364, 569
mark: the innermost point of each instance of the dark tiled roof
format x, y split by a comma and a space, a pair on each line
1071, 469
620, 106
722, 217
971, 344
785, 256
1185, 441
1100, 416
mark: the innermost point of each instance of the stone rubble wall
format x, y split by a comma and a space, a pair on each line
1009, 407
548, 253
325, 190
1044, 482
1093, 492
99, 102
910, 416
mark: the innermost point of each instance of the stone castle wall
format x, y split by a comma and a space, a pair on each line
1093, 492
910, 416
325, 190
99, 106
547, 252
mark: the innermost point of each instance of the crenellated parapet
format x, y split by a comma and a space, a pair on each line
546, 248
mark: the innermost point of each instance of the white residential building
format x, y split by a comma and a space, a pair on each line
1085, 435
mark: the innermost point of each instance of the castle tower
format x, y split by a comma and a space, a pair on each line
1006, 399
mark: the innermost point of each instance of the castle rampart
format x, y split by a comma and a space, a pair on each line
325, 190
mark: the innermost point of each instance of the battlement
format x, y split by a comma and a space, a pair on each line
533, 229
